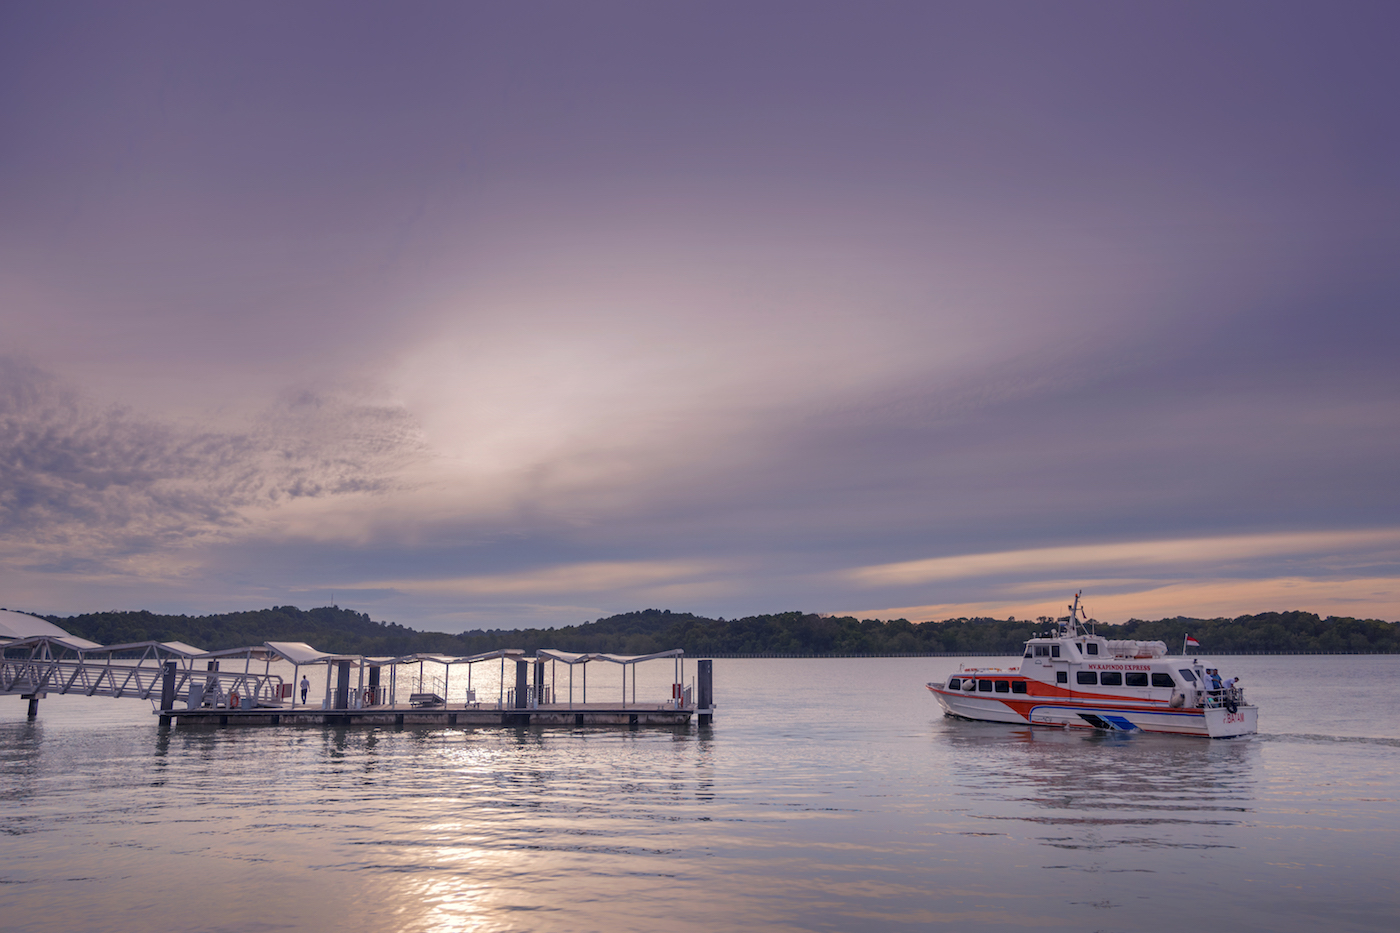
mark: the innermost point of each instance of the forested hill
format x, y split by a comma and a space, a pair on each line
340, 631
788, 633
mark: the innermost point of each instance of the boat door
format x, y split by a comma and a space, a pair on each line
1061, 665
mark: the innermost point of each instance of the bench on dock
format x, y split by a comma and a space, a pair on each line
425, 699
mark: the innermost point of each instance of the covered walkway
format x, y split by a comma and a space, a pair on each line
240, 684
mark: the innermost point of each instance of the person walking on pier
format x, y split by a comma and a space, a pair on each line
305, 686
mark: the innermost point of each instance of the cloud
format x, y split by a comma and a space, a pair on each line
1134, 555
627, 315
588, 577
82, 483
1115, 601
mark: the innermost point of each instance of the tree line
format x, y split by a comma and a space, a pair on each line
345, 631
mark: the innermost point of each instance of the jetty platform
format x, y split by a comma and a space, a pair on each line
591, 714
187, 685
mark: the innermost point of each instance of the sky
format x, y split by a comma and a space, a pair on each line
485, 315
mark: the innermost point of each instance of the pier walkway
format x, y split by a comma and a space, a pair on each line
188, 685
554, 714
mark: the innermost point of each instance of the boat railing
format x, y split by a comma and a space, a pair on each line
1214, 699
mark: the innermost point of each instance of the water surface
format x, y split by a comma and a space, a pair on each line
829, 795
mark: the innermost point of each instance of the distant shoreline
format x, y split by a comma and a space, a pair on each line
775, 635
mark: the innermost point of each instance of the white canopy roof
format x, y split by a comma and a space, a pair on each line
15, 625
19, 628
179, 647
491, 655
570, 657
298, 652
72, 642
22, 628
261, 652
169, 647
452, 659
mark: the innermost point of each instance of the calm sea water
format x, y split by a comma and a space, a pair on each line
829, 795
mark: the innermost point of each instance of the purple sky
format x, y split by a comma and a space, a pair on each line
492, 315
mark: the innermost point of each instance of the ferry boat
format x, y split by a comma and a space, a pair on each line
1072, 678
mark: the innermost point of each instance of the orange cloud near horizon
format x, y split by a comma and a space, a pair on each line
1360, 597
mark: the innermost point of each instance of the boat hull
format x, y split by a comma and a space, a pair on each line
1074, 712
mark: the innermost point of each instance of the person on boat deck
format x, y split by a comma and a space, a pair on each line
1214, 676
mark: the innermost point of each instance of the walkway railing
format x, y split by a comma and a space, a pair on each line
140, 678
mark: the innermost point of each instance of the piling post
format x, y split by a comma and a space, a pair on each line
538, 665
342, 685
522, 683
167, 692
33, 699
705, 689
374, 686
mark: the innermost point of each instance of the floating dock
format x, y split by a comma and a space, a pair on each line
592, 714
190, 686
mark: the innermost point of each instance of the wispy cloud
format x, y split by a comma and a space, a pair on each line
589, 577
83, 483
1159, 555
1115, 601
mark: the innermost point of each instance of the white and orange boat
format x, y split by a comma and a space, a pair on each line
1072, 678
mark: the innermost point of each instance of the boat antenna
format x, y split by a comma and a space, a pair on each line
1073, 619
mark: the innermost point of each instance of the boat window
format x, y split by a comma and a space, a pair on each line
1091, 648
1135, 679
1062, 677
954, 683
1162, 680
1054, 651
1027, 654
1041, 651
1003, 686
1190, 677
1018, 686
1111, 679
984, 686
1086, 677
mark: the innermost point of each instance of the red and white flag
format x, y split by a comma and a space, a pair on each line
1191, 642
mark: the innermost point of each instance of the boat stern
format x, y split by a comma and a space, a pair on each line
1223, 724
